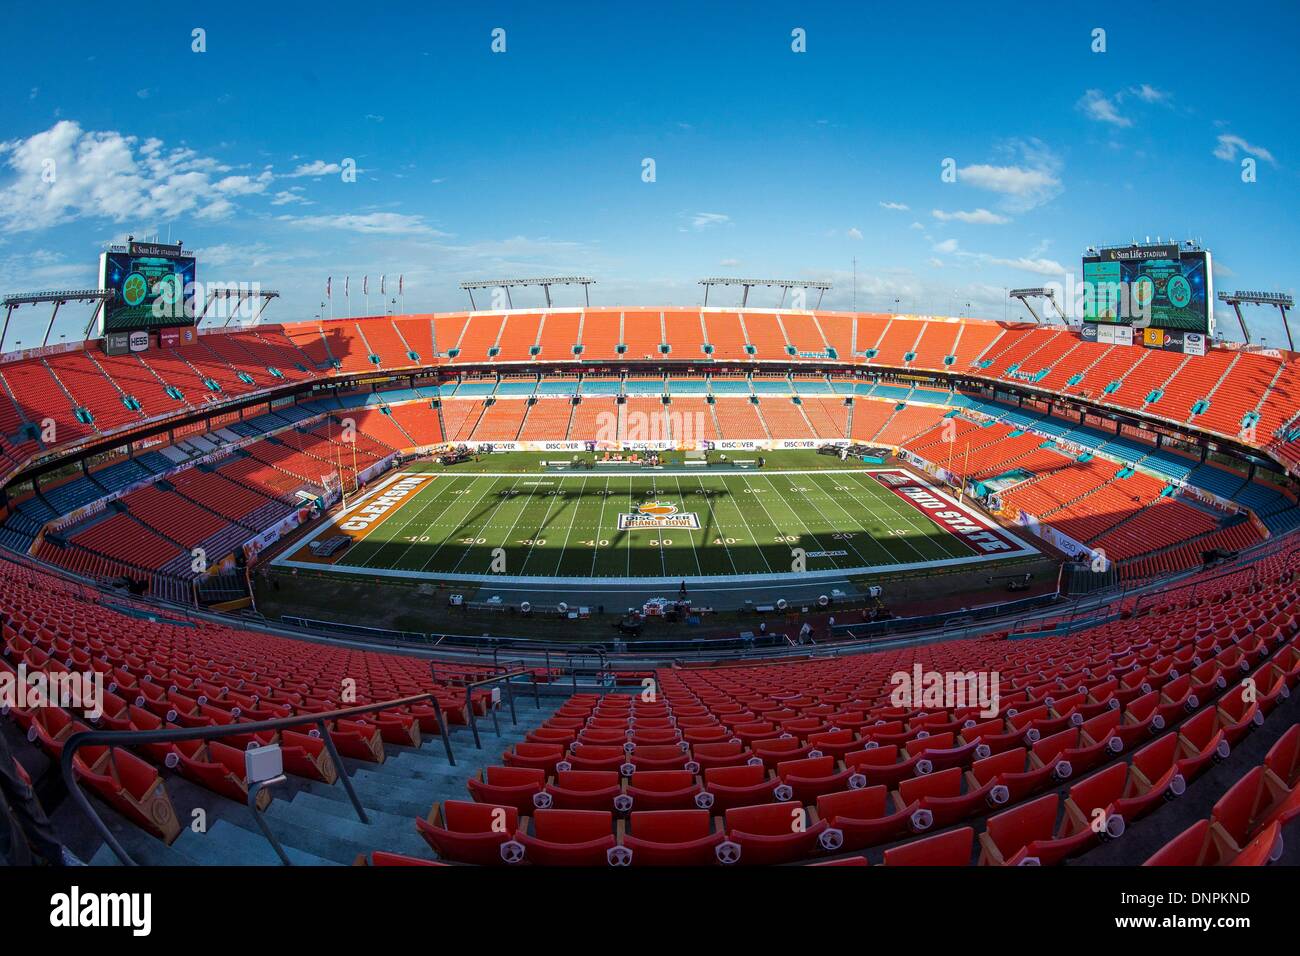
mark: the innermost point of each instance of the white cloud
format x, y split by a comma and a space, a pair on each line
1097, 106
728, 263
375, 223
855, 233
1032, 181
898, 206
286, 196
948, 246
66, 173
1149, 94
244, 185
936, 263
1229, 143
317, 168
1042, 267
707, 220
975, 217
916, 225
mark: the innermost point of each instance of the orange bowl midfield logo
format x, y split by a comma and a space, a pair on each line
657, 515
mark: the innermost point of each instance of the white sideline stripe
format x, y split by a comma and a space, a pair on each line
698, 580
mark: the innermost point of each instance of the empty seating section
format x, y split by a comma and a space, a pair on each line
480, 336
975, 340
1159, 524
642, 334
142, 383
236, 502
869, 417
382, 340
908, 422
685, 335
459, 417
167, 673
691, 419
895, 345
547, 420
802, 333
417, 333
595, 419
43, 401
419, 421
382, 427
1231, 392
447, 333
764, 333
310, 340
1194, 383
783, 417
1143, 377
122, 538
91, 389
829, 417
559, 336
173, 516
936, 344
518, 337
789, 762
642, 419
838, 331
501, 421
726, 335
738, 418
602, 333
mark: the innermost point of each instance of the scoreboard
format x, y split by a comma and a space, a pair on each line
1163, 286
154, 286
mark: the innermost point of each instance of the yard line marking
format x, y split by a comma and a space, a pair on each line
884, 515
799, 517
595, 551
918, 522
694, 550
481, 528
454, 498
540, 529
753, 537
857, 526
577, 506
402, 528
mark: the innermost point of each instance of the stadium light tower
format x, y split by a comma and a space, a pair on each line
240, 295
782, 284
545, 282
1026, 295
1279, 299
57, 299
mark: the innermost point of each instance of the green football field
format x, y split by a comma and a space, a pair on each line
562, 525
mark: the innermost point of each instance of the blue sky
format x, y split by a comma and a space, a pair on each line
767, 162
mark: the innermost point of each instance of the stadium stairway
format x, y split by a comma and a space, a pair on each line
315, 822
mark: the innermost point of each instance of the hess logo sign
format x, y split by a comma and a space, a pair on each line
658, 516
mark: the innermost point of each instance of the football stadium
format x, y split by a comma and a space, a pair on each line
331, 558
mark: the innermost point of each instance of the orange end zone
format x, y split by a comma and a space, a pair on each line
364, 516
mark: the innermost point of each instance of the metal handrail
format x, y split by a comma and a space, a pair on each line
119, 737
510, 694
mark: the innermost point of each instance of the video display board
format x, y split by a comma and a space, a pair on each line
1171, 285
155, 287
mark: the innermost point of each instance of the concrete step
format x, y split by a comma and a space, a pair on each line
143, 849
371, 794
376, 788
330, 837
226, 844
386, 831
